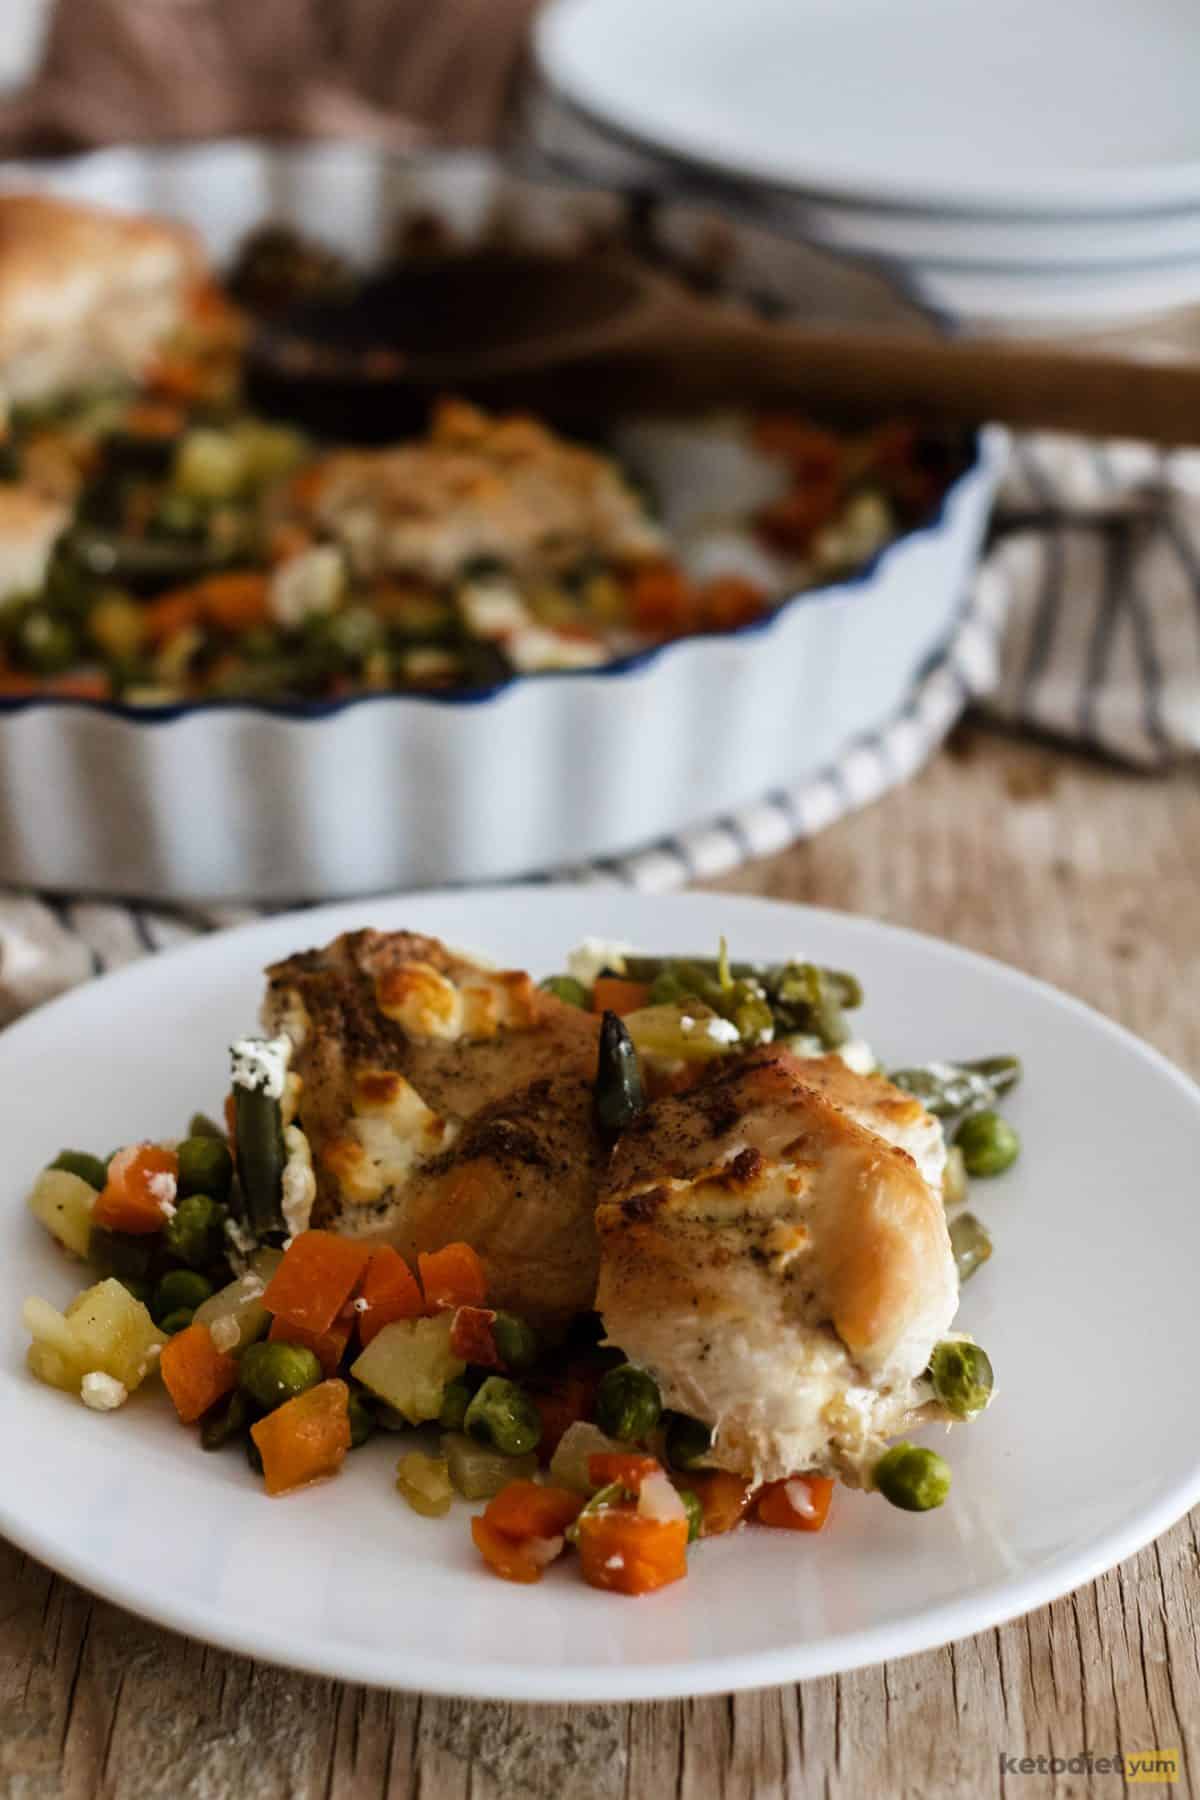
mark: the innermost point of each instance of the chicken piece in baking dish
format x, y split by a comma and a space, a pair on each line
781, 1270
445, 1100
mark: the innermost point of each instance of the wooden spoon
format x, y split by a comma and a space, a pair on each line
607, 325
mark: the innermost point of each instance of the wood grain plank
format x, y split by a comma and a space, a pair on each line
1081, 874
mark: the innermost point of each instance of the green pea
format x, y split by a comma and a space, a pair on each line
913, 1478
362, 1417
273, 1373
456, 1397
182, 1288
988, 1143
120, 1253
503, 1416
567, 989
228, 1419
196, 1232
88, 1168
695, 1513
253, 1455
205, 1167
970, 1245
515, 1341
687, 1439
962, 1378
45, 643
176, 1321
628, 1404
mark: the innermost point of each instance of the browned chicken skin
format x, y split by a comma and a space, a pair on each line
443, 1101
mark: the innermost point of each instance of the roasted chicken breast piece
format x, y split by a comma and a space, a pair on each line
445, 1100
878, 1104
782, 1271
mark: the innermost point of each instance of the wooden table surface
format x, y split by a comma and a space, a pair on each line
1083, 875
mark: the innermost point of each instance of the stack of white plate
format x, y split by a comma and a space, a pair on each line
1008, 165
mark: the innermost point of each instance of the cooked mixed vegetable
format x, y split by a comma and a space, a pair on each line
297, 1344
169, 546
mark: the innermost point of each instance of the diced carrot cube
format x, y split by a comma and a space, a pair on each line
628, 1554
525, 1509
452, 1277
195, 1373
391, 1292
504, 1554
169, 614
612, 993
724, 1499
235, 601
317, 1276
305, 1438
328, 1347
798, 1504
471, 1337
623, 1466
139, 1192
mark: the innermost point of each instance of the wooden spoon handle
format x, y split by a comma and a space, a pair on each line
1092, 392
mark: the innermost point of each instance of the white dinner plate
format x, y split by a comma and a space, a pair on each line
1085, 104
1087, 1308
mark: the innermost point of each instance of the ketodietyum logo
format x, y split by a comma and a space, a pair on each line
1132, 1766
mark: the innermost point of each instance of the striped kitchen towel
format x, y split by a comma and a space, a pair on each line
1084, 623
1096, 550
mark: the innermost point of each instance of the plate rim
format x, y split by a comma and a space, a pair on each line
410, 1670
1166, 186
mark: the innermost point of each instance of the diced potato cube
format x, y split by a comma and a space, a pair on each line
408, 1364
569, 1464
63, 1204
210, 465
115, 1332
235, 1314
104, 1331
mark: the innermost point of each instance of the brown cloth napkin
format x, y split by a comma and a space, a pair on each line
392, 71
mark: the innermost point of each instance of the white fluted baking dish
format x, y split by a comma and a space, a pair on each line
233, 800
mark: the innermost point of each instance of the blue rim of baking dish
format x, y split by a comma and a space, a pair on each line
311, 711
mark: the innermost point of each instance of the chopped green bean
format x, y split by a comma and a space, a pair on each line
362, 1417
947, 1089
618, 1093
515, 1341
970, 1244
688, 1440
88, 1168
695, 1513
227, 1420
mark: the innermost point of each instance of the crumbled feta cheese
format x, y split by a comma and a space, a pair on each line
251, 1286
687, 1023
360, 1305
103, 1393
593, 956
721, 1031
492, 609
614, 1562
299, 1184
859, 1056
225, 1333
536, 647
799, 1498
163, 1187
241, 1239
261, 1064
306, 585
